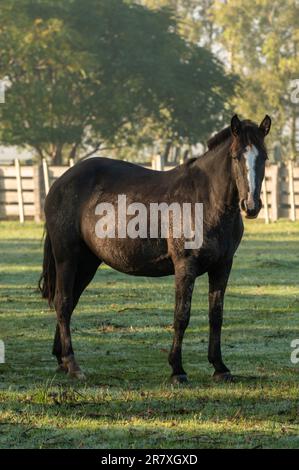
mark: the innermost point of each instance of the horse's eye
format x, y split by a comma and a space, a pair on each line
264, 157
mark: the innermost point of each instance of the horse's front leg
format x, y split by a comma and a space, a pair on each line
218, 278
184, 283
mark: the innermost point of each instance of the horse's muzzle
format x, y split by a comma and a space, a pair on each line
251, 207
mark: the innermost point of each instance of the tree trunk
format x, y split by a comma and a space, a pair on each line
57, 155
167, 151
40, 153
186, 155
73, 151
177, 154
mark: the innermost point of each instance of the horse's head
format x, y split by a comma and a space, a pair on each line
249, 159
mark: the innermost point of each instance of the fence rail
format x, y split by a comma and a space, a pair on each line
23, 189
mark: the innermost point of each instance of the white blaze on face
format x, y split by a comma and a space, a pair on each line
250, 155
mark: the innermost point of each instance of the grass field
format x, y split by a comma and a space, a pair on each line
122, 332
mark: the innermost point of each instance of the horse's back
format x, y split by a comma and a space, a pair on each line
99, 174
94, 168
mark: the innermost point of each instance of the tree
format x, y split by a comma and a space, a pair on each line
94, 73
194, 19
259, 42
46, 105
261, 39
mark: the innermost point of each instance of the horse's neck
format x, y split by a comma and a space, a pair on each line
217, 166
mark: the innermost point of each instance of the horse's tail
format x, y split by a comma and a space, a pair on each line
47, 280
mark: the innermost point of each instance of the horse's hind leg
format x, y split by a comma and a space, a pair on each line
56, 351
64, 305
184, 283
84, 271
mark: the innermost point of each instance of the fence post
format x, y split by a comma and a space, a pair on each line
265, 197
20, 193
158, 162
38, 193
153, 162
292, 192
46, 176
274, 198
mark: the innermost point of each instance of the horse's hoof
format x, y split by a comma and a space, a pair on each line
61, 368
179, 379
77, 374
223, 377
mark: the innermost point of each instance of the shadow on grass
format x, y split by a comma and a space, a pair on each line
181, 422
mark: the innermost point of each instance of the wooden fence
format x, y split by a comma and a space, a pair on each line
23, 189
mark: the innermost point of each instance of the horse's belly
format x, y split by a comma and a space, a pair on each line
139, 257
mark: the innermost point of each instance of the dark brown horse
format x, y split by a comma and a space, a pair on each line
226, 179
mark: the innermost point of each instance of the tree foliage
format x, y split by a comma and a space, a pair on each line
103, 72
261, 38
257, 40
194, 18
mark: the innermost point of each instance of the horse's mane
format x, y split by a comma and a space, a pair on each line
218, 138
250, 130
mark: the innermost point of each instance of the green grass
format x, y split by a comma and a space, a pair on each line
122, 332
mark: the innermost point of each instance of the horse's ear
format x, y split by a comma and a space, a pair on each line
265, 125
235, 125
